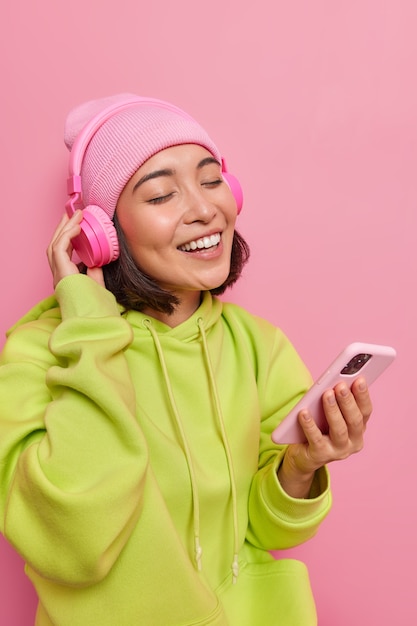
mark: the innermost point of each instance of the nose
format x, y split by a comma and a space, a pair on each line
199, 208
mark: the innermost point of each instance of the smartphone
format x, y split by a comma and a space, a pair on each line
357, 359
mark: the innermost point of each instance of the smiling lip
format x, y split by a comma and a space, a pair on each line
203, 243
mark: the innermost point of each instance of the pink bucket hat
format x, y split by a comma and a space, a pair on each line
124, 142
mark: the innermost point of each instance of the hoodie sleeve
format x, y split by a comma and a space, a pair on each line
72, 457
276, 520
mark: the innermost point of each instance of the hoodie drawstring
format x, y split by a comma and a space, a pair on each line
198, 551
187, 452
226, 445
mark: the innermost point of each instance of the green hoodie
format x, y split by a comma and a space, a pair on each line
138, 476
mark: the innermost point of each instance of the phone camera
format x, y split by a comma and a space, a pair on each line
356, 363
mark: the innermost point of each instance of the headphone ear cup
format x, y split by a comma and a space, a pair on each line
235, 188
97, 243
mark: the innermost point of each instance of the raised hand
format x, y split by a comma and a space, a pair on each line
60, 250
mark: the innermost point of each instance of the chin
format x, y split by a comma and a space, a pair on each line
215, 284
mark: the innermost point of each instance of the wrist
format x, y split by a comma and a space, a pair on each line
295, 481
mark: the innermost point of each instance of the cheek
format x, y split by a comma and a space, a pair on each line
231, 208
231, 220
147, 232
233, 217
134, 233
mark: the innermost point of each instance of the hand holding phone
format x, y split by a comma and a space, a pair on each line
357, 359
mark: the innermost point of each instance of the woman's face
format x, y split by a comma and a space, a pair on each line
178, 217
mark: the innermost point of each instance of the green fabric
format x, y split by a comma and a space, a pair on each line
95, 487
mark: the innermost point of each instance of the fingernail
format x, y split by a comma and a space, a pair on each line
331, 398
344, 391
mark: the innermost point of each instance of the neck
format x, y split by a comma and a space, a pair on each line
182, 312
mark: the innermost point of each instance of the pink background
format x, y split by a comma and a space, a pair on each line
314, 105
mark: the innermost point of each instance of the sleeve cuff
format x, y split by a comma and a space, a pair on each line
80, 296
297, 510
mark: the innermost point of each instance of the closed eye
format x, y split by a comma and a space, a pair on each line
160, 199
213, 183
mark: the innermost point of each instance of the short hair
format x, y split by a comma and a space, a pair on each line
135, 290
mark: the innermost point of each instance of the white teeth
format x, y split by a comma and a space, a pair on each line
205, 242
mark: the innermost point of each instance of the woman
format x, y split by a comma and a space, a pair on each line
139, 480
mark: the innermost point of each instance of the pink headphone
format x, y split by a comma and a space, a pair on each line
97, 244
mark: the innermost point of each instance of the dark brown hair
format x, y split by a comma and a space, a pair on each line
134, 290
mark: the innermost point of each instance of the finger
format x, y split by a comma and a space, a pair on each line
338, 428
349, 408
65, 231
310, 429
59, 251
353, 420
67, 222
363, 400
96, 273
63, 221
318, 450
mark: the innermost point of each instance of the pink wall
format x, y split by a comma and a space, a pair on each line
315, 106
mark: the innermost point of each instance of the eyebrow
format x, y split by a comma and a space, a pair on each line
207, 161
171, 172
151, 175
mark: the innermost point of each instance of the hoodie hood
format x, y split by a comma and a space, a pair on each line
210, 310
